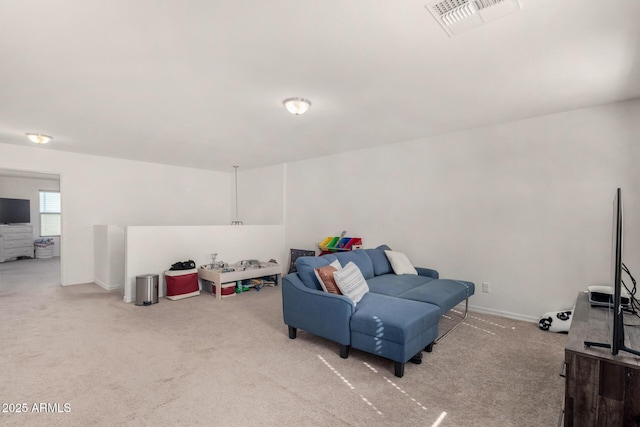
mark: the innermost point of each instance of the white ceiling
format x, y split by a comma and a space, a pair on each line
201, 83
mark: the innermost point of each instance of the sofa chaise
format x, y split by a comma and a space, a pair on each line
397, 318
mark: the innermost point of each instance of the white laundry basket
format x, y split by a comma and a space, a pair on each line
44, 249
44, 252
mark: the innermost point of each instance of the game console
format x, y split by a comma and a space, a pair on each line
602, 296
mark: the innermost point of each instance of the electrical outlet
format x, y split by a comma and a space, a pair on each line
485, 287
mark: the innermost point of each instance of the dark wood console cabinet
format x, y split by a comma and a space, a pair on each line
601, 389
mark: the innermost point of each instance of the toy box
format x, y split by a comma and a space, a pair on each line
337, 243
182, 283
228, 289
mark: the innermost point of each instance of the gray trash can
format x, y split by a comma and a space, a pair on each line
147, 289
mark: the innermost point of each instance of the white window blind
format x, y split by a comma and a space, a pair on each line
49, 213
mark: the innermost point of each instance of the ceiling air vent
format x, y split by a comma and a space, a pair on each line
458, 16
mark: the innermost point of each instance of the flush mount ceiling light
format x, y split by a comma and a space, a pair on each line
38, 138
297, 106
458, 16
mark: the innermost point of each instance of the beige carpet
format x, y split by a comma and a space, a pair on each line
199, 361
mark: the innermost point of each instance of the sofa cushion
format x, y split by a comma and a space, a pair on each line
306, 265
325, 277
379, 259
360, 258
444, 293
393, 285
394, 319
400, 263
351, 282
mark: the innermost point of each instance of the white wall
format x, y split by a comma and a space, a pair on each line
29, 188
525, 206
108, 256
152, 250
260, 195
101, 190
631, 189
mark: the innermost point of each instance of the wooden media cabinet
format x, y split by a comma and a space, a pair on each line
601, 389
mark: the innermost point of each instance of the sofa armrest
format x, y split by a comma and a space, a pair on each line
429, 272
320, 313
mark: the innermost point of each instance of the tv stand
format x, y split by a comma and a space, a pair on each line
600, 388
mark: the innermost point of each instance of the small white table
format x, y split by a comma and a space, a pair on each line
218, 277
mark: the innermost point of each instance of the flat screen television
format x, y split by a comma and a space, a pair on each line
15, 211
617, 328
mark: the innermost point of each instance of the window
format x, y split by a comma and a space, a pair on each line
49, 213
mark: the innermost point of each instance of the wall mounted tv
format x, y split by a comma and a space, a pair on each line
15, 211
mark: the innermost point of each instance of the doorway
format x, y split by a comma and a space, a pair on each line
23, 272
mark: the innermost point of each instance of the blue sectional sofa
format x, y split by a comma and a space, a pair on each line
396, 319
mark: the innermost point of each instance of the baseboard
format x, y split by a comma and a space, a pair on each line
105, 286
506, 314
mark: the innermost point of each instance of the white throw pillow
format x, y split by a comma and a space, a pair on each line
351, 282
400, 263
335, 264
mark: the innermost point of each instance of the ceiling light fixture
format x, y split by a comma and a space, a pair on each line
38, 138
297, 106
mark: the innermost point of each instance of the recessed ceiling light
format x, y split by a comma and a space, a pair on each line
39, 138
297, 106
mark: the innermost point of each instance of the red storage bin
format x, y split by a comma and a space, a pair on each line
228, 289
182, 283
355, 243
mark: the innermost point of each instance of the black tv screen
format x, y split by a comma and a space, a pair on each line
15, 211
617, 329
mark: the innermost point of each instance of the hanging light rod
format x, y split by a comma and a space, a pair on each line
236, 221
39, 138
297, 106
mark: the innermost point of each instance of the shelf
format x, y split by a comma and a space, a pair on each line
336, 244
218, 277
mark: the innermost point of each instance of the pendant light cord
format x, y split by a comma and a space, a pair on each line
237, 221
236, 172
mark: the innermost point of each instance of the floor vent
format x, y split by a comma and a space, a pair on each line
459, 16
